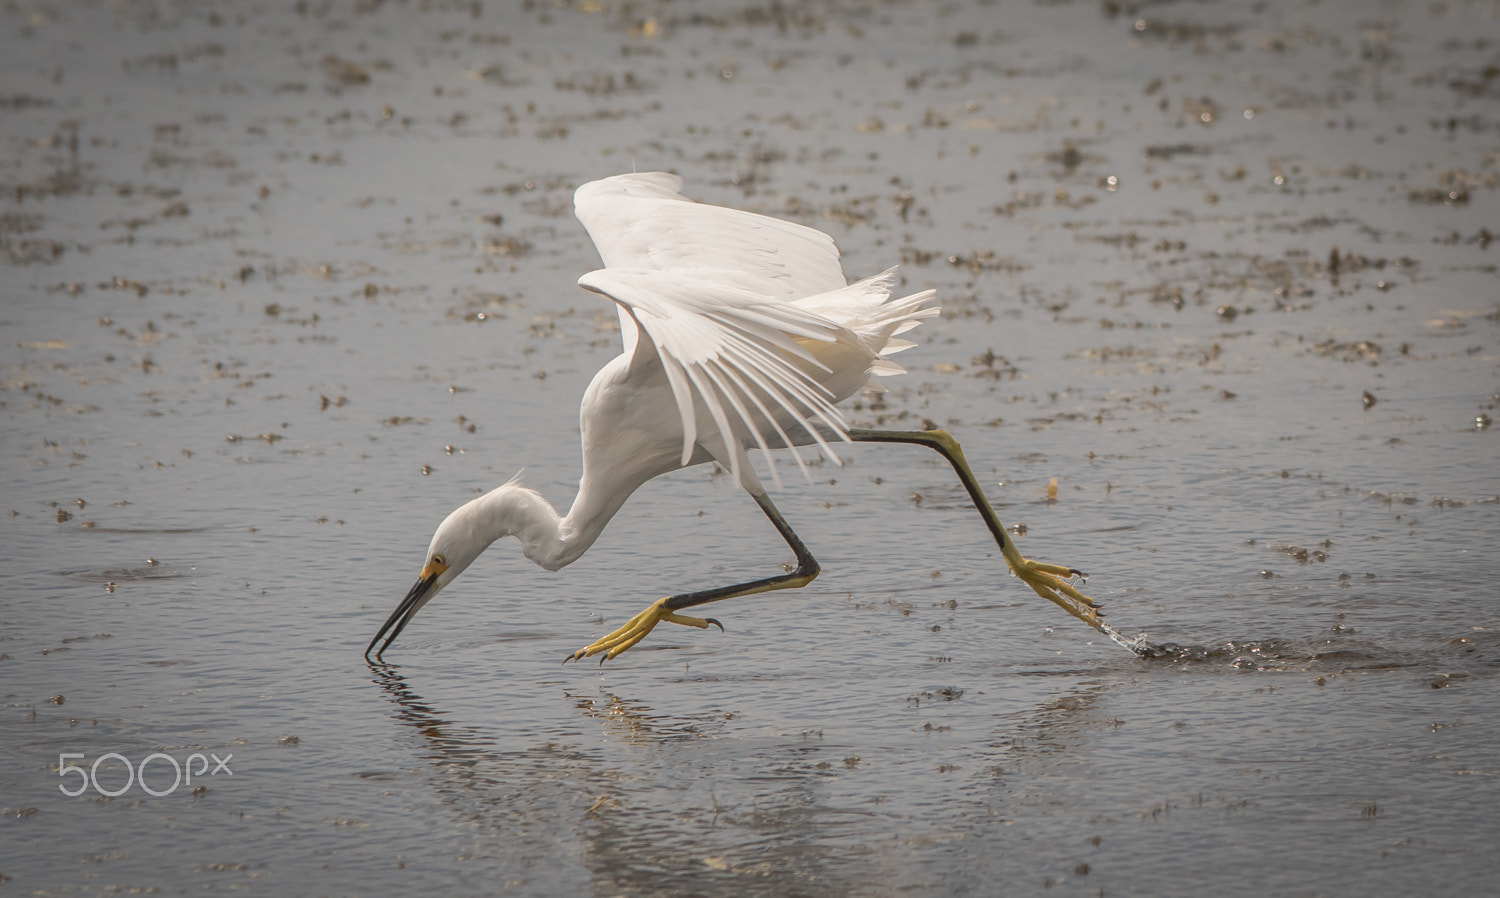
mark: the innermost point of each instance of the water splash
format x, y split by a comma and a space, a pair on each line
1139, 645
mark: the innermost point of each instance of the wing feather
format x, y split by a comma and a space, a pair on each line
718, 373
643, 221
734, 375
682, 394
720, 344
704, 382
750, 317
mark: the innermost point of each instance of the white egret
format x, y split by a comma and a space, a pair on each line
740, 333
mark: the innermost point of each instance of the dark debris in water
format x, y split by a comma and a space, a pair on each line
1302, 555
945, 694
1352, 351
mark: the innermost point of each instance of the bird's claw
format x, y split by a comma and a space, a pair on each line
635, 630
1054, 582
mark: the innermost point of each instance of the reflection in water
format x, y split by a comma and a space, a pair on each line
529, 803
637, 809
631, 721
636, 801
1056, 726
448, 741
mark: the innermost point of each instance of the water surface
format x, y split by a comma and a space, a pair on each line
285, 283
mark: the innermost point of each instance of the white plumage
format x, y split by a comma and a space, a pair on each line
740, 332
748, 317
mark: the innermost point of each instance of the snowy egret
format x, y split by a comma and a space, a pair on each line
740, 332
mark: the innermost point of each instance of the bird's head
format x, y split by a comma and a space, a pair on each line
458, 541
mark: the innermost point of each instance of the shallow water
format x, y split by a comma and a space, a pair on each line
284, 284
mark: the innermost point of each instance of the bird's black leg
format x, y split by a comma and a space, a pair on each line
1050, 581
666, 609
804, 573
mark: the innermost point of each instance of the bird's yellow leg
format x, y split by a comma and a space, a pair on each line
666, 609
1050, 581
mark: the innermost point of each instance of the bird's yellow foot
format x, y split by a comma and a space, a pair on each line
636, 629
1053, 582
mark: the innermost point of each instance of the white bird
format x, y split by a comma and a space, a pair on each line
740, 332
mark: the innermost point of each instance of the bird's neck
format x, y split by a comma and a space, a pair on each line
514, 510
547, 538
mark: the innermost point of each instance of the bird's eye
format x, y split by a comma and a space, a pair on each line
438, 559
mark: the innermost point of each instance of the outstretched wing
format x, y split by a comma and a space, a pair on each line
643, 221
733, 353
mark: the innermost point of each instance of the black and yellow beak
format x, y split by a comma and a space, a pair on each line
423, 590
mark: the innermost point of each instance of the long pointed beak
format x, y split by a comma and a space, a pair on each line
420, 593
